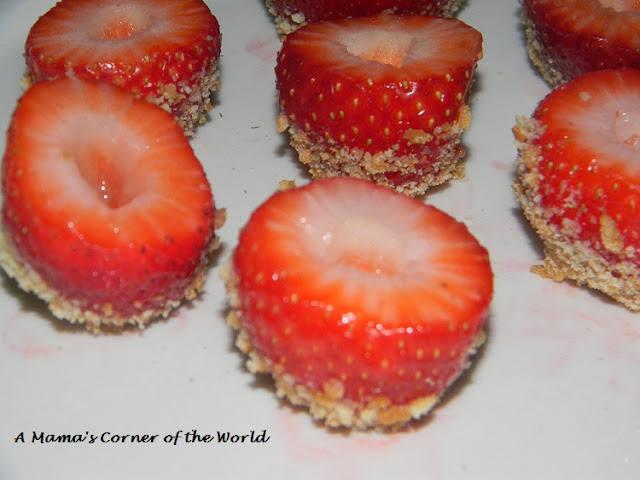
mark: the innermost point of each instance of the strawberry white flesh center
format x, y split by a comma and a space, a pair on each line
97, 159
394, 46
118, 21
386, 47
364, 243
95, 166
113, 30
627, 128
365, 250
105, 173
603, 121
367, 297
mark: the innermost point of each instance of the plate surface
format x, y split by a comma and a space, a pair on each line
555, 393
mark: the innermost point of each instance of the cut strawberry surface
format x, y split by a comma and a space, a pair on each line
364, 304
164, 51
107, 214
579, 181
382, 98
566, 38
292, 14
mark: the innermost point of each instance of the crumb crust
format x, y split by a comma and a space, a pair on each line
566, 257
411, 175
102, 318
328, 405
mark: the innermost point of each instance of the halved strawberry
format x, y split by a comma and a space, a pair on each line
566, 38
382, 98
107, 214
364, 304
292, 14
165, 51
579, 181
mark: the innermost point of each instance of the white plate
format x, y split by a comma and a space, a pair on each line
554, 394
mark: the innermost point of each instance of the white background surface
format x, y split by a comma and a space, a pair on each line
555, 393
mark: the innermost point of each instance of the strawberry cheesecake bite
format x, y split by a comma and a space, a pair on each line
566, 38
363, 304
579, 181
382, 98
290, 15
107, 214
165, 51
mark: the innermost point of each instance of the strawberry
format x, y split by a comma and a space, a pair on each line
383, 97
165, 51
579, 185
107, 214
364, 304
566, 38
292, 14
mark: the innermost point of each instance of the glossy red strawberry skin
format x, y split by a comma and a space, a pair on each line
576, 37
578, 185
394, 117
313, 11
161, 51
411, 347
113, 260
366, 106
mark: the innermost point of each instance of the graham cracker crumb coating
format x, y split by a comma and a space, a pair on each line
539, 56
189, 102
564, 256
108, 320
327, 406
411, 175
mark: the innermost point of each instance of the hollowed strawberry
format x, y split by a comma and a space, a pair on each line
163, 51
382, 98
292, 14
107, 214
363, 304
579, 181
566, 38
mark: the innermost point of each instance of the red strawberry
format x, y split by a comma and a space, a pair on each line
566, 38
364, 304
292, 14
579, 183
165, 51
383, 98
107, 214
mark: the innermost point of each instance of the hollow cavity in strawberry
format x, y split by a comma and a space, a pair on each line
107, 214
382, 98
365, 305
164, 52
